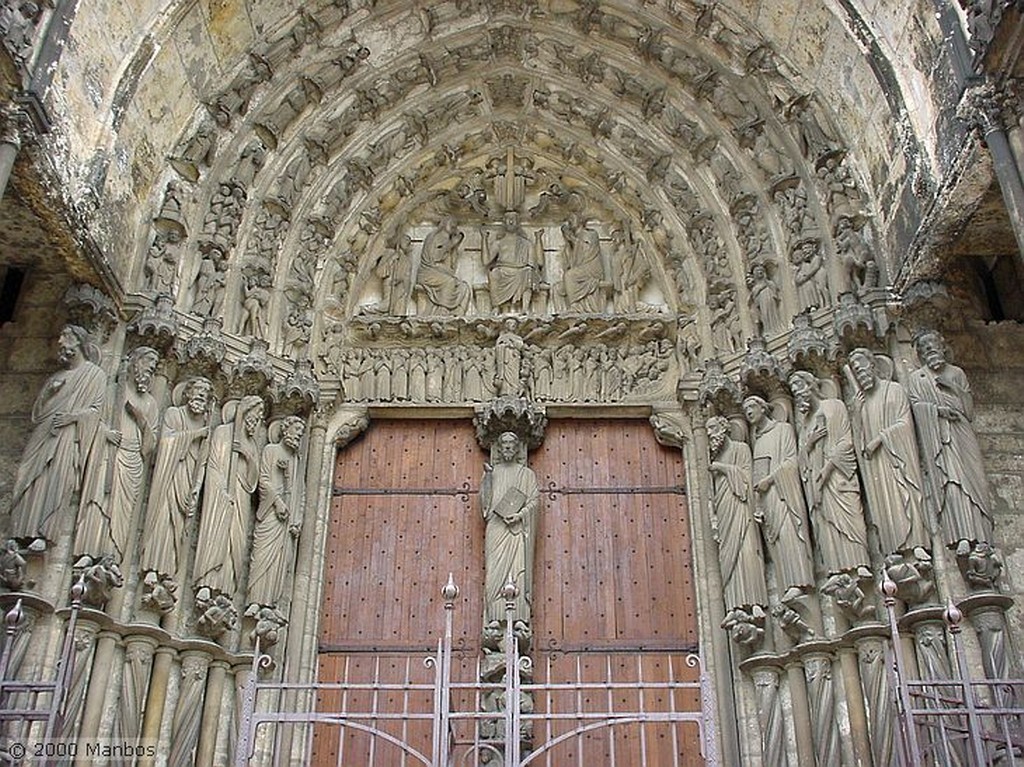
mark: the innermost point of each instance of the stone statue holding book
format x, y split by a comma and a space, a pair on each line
510, 499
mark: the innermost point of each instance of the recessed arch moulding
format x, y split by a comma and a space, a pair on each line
677, 181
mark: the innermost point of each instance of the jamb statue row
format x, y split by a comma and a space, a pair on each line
793, 496
86, 464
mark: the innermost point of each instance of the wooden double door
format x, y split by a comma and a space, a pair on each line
613, 587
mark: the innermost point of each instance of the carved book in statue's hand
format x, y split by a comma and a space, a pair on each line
511, 503
762, 467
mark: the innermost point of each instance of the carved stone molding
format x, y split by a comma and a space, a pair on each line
348, 423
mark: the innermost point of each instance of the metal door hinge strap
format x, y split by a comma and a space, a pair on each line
552, 490
463, 492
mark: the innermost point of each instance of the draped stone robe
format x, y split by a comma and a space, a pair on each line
115, 477
739, 539
227, 510
943, 410
837, 516
508, 545
782, 504
892, 472
272, 542
179, 468
53, 461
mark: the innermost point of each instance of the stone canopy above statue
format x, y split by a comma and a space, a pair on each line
511, 236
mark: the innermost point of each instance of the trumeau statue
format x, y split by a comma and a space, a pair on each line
732, 523
117, 462
889, 459
232, 473
177, 478
278, 520
510, 499
943, 409
829, 470
66, 415
779, 501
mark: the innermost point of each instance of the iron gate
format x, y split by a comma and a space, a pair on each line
650, 707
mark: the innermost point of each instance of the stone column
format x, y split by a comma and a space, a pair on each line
84, 656
300, 660
188, 713
821, 699
987, 614
706, 554
801, 718
980, 106
766, 679
138, 659
875, 683
155, 700
103, 658
206, 748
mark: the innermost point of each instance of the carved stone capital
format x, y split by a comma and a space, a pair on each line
520, 416
926, 303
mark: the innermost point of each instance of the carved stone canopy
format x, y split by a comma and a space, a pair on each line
514, 414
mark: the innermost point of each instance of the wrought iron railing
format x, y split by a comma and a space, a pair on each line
637, 708
954, 720
24, 702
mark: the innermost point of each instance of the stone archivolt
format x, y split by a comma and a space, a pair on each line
681, 140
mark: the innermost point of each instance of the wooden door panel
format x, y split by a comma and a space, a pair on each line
613, 582
613, 557
389, 554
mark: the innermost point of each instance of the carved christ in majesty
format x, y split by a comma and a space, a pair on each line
510, 498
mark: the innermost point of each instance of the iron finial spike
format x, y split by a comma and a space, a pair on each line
952, 616
449, 592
